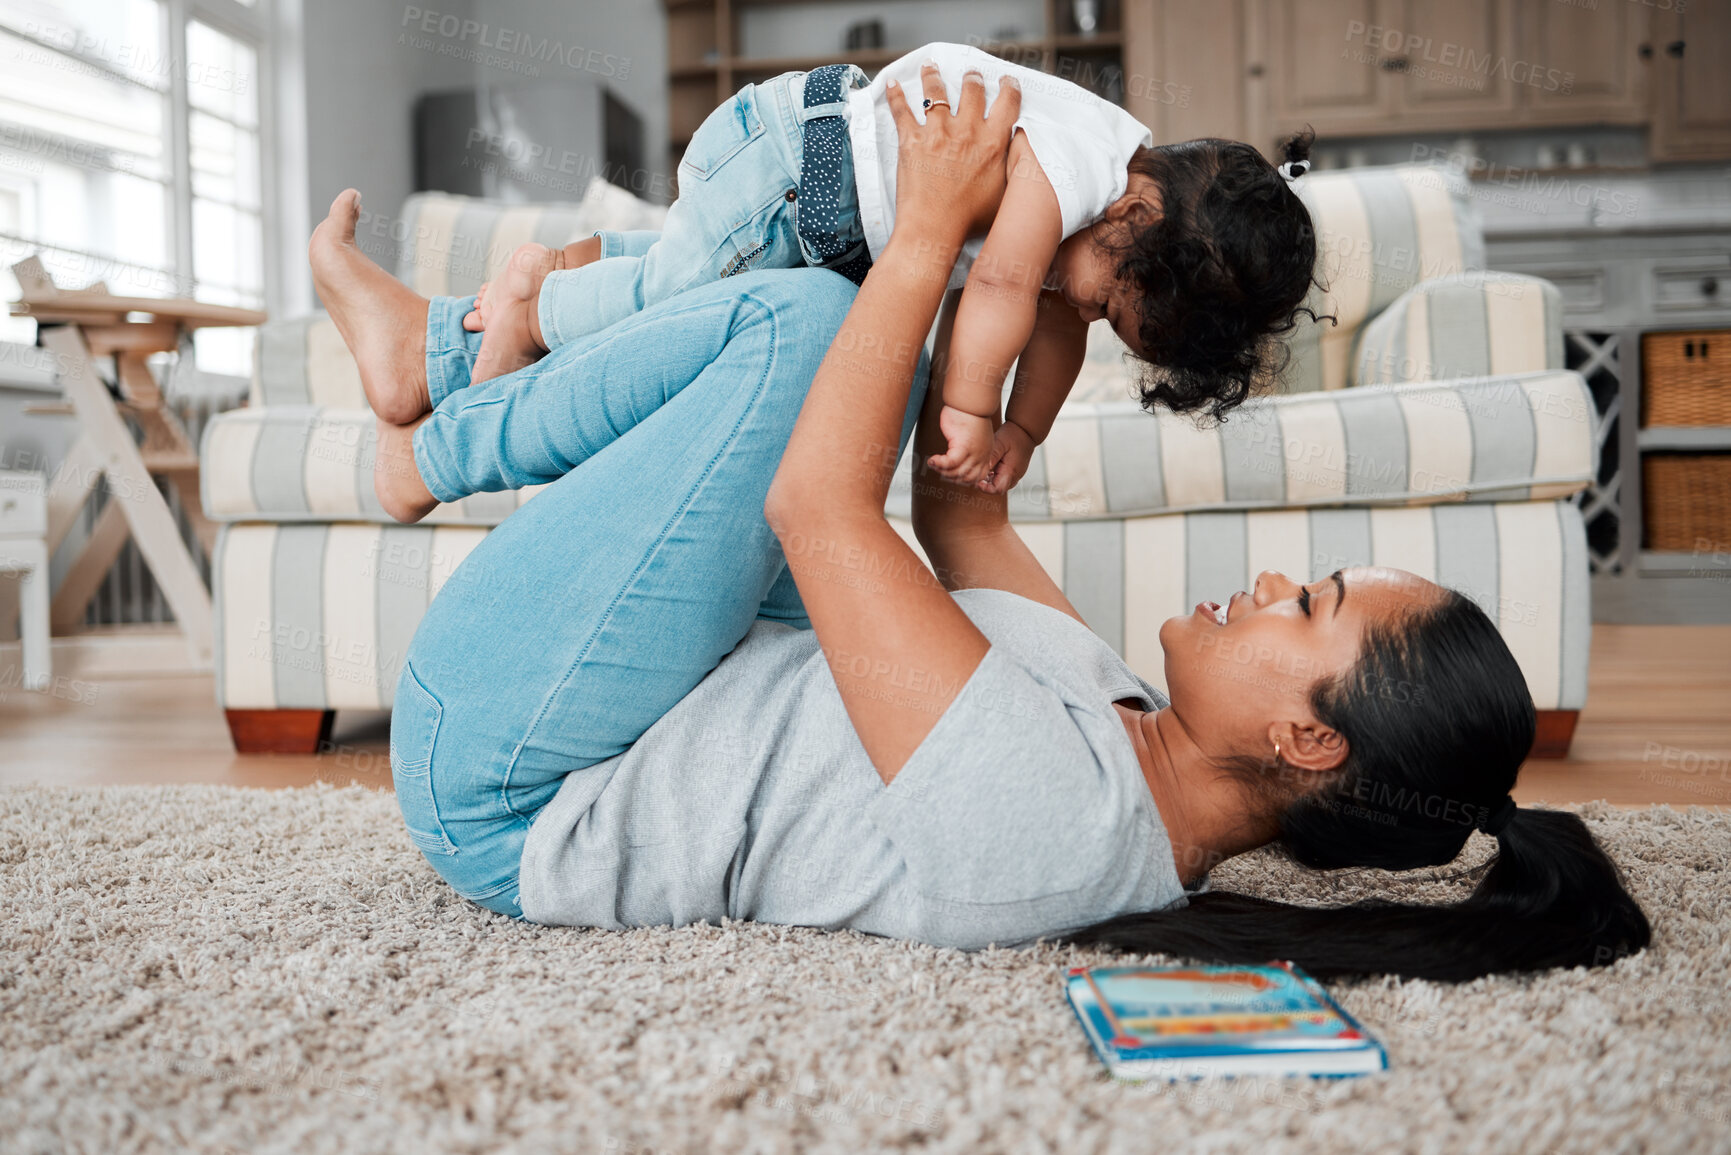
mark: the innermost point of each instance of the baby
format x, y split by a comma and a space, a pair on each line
1194, 253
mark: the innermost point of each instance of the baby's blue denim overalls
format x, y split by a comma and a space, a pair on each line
767, 182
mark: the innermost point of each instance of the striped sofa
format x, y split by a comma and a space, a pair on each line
1433, 429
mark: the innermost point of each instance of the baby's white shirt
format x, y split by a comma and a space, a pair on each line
1083, 143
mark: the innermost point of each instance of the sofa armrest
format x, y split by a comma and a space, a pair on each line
303, 361
1466, 325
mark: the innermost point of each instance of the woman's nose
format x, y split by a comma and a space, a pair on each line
1271, 586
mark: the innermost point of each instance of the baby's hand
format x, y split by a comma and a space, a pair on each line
475, 320
968, 454
1012, 450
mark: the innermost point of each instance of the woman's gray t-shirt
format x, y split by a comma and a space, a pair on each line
1023, 813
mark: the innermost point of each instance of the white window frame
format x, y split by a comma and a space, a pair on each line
272, 29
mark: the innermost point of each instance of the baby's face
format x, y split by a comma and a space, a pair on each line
1086, 267
1086, 273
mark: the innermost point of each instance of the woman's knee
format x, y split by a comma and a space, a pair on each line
815, 300
830, 295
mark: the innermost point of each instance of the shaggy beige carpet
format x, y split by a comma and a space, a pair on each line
226, 970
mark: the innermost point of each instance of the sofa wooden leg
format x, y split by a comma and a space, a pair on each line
279, 731
1556, 730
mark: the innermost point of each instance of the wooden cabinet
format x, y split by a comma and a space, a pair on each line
1321, 69
1370, 64
1184, 66
1692, 82
1455, 59
1375, 67
1599, 50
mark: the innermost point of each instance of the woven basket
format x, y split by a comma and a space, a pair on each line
1686, 501
1686, 378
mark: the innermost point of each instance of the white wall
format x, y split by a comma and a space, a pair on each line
366, 61
624, 45
365, 64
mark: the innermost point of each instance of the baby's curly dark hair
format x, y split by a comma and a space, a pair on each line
1223, 272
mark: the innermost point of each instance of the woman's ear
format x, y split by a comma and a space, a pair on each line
1309, 746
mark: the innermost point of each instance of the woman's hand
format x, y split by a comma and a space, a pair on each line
950, 171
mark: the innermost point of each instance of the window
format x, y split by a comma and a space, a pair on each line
131, 152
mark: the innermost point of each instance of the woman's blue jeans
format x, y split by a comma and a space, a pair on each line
609, 595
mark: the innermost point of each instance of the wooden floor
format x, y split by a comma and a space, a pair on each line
1657, 728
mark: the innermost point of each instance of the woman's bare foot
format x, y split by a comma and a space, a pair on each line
509, 333
396, 477
382, 320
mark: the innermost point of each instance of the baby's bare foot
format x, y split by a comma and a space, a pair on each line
474, 320
508, 333
382, 320
396, 477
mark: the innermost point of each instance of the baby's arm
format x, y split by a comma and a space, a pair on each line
1045, 374
997, 314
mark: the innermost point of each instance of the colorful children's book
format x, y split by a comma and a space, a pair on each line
1191, 1022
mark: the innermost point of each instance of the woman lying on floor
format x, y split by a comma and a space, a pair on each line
701, 676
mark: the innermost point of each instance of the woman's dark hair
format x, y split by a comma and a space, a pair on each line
1223, 272
1437, 720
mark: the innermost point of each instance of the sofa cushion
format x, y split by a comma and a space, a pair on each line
450, 244
320, 616
1513, 438
1466, 325
1379, 232
305, 463
1517, 437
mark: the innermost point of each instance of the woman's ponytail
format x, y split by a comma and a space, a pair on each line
1561, 897
1417, 781
1549, 898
